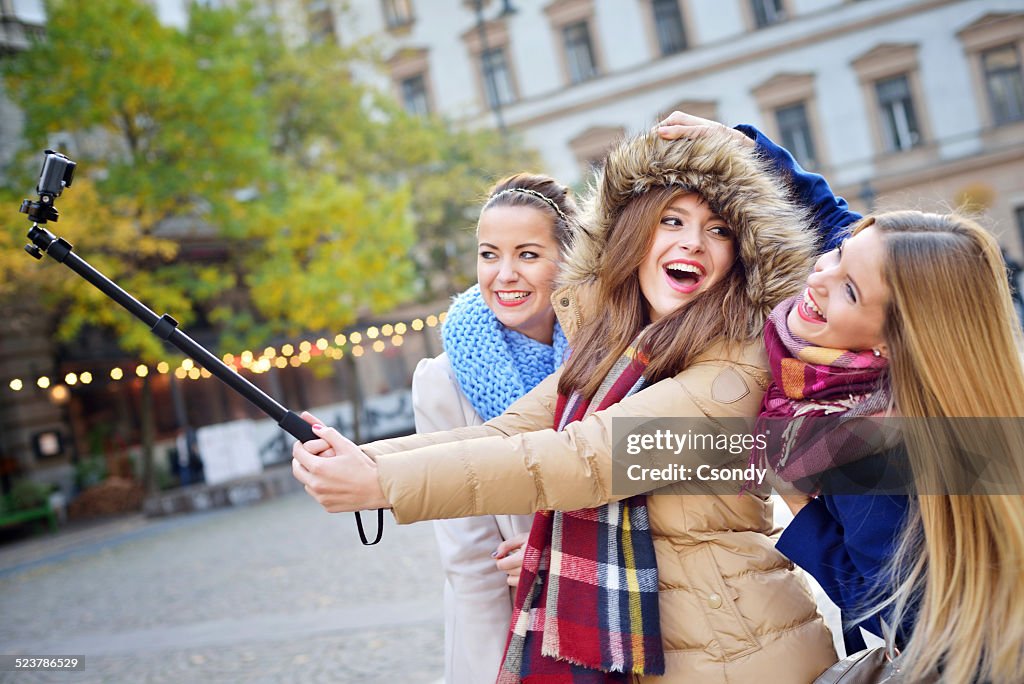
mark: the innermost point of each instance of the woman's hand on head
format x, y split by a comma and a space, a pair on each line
345, 481
682, 125
509, 557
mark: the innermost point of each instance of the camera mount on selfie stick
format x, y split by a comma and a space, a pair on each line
56, 175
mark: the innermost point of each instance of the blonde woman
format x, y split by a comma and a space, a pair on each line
914, 310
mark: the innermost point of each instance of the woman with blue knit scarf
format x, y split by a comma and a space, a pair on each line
500, 339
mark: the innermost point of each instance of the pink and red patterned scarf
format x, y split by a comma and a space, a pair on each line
587, 606
810, 384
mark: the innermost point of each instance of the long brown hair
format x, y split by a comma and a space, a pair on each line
721, 313
954, 347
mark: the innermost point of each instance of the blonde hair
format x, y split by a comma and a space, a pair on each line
955, 352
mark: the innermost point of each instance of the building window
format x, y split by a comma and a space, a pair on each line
889, 78
795, 133
994, 45
490, 49
410, 76
668, 24
497, 78
397, 13
571, 23
320, 19
1004, 83
414, 95
592, 145
788, 108
579, 53
896, 107
767, 12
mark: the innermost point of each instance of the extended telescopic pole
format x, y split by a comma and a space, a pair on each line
166, 328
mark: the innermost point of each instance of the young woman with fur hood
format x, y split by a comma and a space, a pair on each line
687, 246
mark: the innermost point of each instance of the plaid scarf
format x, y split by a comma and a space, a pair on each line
808, 384
587, 605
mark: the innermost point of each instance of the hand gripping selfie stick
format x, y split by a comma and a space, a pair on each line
56, 175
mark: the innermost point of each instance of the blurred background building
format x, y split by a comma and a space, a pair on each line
898, 103
908, 103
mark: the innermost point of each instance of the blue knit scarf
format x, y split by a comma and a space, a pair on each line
494, 365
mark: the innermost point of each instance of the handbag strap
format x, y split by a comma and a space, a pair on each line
864, 667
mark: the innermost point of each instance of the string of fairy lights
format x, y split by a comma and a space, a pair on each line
373, 339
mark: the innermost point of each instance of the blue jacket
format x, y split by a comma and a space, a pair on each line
842, 541
831, 214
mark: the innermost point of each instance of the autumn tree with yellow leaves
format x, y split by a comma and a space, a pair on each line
309, 189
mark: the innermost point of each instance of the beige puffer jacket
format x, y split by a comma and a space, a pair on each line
732, 607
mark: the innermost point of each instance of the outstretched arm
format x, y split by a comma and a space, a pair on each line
525, 472
831, 213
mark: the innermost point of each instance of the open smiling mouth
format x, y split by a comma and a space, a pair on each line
808, 309
683, 276
512, 297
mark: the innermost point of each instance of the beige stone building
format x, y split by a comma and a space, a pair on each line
899, 103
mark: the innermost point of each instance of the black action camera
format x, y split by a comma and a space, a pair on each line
56, 175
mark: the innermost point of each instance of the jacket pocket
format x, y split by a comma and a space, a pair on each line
732, 637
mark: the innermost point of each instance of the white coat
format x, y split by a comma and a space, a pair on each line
477, 598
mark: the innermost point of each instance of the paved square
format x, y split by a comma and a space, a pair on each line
279, 591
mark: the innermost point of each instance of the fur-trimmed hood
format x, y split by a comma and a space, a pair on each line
775, 240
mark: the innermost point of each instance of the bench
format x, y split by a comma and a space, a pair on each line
12, 517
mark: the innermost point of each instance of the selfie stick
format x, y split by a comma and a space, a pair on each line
56, 175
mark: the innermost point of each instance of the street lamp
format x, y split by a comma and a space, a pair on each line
495, 103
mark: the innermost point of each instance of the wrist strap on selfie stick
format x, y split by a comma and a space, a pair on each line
57, 174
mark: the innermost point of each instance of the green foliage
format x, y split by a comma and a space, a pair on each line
316, 261
28, 494
90, 470
450, 176
311, 189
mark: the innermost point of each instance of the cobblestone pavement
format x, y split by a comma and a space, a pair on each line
276, 592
